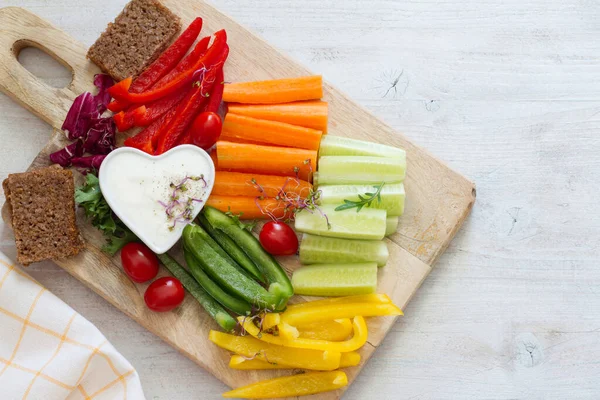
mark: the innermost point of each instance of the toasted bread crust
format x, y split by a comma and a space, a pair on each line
43, 214
139, 34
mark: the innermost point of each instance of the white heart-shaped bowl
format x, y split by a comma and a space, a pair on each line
133, 183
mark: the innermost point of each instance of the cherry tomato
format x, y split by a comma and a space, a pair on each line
139, 262
278, 239
164, 294
206, 129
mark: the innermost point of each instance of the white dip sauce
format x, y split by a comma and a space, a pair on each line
139, 189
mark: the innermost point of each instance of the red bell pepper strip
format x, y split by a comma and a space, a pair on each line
165, 64
146, 140
157, 108
187, 137
187, 62
142, 141
117, 106
125, 120
211, 57
191, 105
120, 88
216, 94
168, 59
212, 105
121, 121
184, 115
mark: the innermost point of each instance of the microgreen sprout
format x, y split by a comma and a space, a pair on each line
257, 186
200, 78
179, 208
264, 353
289, 201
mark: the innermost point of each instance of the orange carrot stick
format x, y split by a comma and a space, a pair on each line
252, 185
270, 132
250, 207
268, 160
275, 91
236, 140
311, 114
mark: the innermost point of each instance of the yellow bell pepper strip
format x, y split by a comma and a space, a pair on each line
273, 319
378, 298
290, 386
356, 342
287, 332
349, 359
334, 330
243, 363
270, 320
295, 358
336, 311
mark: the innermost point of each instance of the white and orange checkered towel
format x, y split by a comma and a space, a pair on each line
48, 351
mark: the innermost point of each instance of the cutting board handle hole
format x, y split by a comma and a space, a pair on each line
37, 60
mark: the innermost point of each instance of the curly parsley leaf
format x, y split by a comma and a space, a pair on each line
116, 242
89, 197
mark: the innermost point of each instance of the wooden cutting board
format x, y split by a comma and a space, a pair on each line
438, 199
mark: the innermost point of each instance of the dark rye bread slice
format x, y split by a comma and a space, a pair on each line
143, 30
42, 207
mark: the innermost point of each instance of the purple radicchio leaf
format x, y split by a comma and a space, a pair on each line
102, 82
100, 138
93, 135
79, 117
106, 142
84, 124
65, 155
89, 162
103, 124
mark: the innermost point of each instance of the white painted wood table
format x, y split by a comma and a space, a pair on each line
506, 92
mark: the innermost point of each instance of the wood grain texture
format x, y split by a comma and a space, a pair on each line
507, 92
21, 30
443, 198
